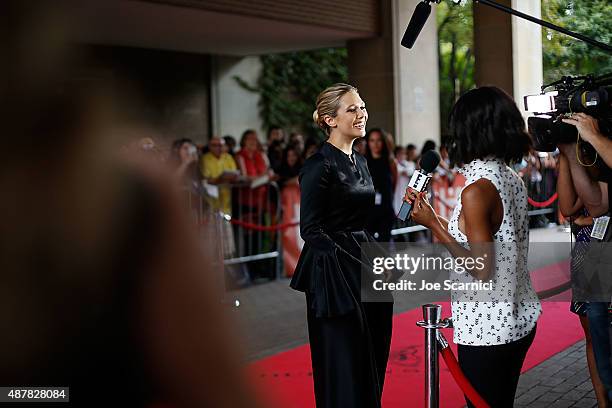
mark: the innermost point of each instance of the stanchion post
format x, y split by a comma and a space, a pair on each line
431, 318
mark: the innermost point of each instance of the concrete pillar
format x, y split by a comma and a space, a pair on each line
235, 109
493, 47
526, 52
508, 49
400, 86
417, 96
371, 70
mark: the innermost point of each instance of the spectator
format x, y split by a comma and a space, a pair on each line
184, 159
251, 160
297, 140
230, 145
390, 144
275, 146
254, 201
290, 168
310, 147
382, 168
276, 134
427, 146
219, 168
444, 169
411, 153
405, 169
203, 149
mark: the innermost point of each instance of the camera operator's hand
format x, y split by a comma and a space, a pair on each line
590, 132
587, 126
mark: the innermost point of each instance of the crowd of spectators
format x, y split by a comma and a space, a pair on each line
237, 180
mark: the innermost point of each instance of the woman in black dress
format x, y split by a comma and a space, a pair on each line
383, 171
349, 339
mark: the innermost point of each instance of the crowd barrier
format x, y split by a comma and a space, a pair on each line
258, 228
210, 226
247, 228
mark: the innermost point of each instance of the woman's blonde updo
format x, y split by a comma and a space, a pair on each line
328, 103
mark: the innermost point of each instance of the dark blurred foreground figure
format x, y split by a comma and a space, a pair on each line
104, 288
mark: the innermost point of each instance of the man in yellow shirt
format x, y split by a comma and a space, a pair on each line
219, 168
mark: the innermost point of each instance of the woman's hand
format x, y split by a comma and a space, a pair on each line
422, 212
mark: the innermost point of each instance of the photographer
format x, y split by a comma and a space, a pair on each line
579, 194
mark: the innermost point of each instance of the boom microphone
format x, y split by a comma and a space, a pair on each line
417, 21
420, 180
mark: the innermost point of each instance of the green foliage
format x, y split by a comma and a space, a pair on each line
290, 83
455, 54
564, 55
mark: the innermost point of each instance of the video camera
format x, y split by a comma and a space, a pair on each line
587, 94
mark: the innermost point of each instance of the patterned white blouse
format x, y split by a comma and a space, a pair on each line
511, 310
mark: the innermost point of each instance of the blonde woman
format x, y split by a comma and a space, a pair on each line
349, 339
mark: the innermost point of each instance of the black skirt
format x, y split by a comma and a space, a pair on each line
349, 356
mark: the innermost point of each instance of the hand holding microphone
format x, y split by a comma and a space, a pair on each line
422, 212
419, 181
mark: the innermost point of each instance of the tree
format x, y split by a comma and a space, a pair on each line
564, 55
290, 83
455, 54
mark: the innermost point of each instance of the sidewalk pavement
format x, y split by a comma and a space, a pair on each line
562, 381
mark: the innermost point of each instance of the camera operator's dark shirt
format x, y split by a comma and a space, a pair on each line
609, 188
606, 177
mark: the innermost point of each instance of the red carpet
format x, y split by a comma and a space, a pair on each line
285, 380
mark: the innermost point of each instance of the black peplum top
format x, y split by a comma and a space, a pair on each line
337, 198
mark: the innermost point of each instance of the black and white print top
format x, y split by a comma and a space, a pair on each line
511, 310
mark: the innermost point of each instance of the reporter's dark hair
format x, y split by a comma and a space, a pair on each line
486, 122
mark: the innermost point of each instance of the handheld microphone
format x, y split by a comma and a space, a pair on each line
420, 179
417, 21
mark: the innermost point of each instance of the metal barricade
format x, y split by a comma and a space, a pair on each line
210, 226
245, 220
255, 213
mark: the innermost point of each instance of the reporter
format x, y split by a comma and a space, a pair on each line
489, 221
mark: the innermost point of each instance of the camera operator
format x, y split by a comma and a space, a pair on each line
581, 195
594, 194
